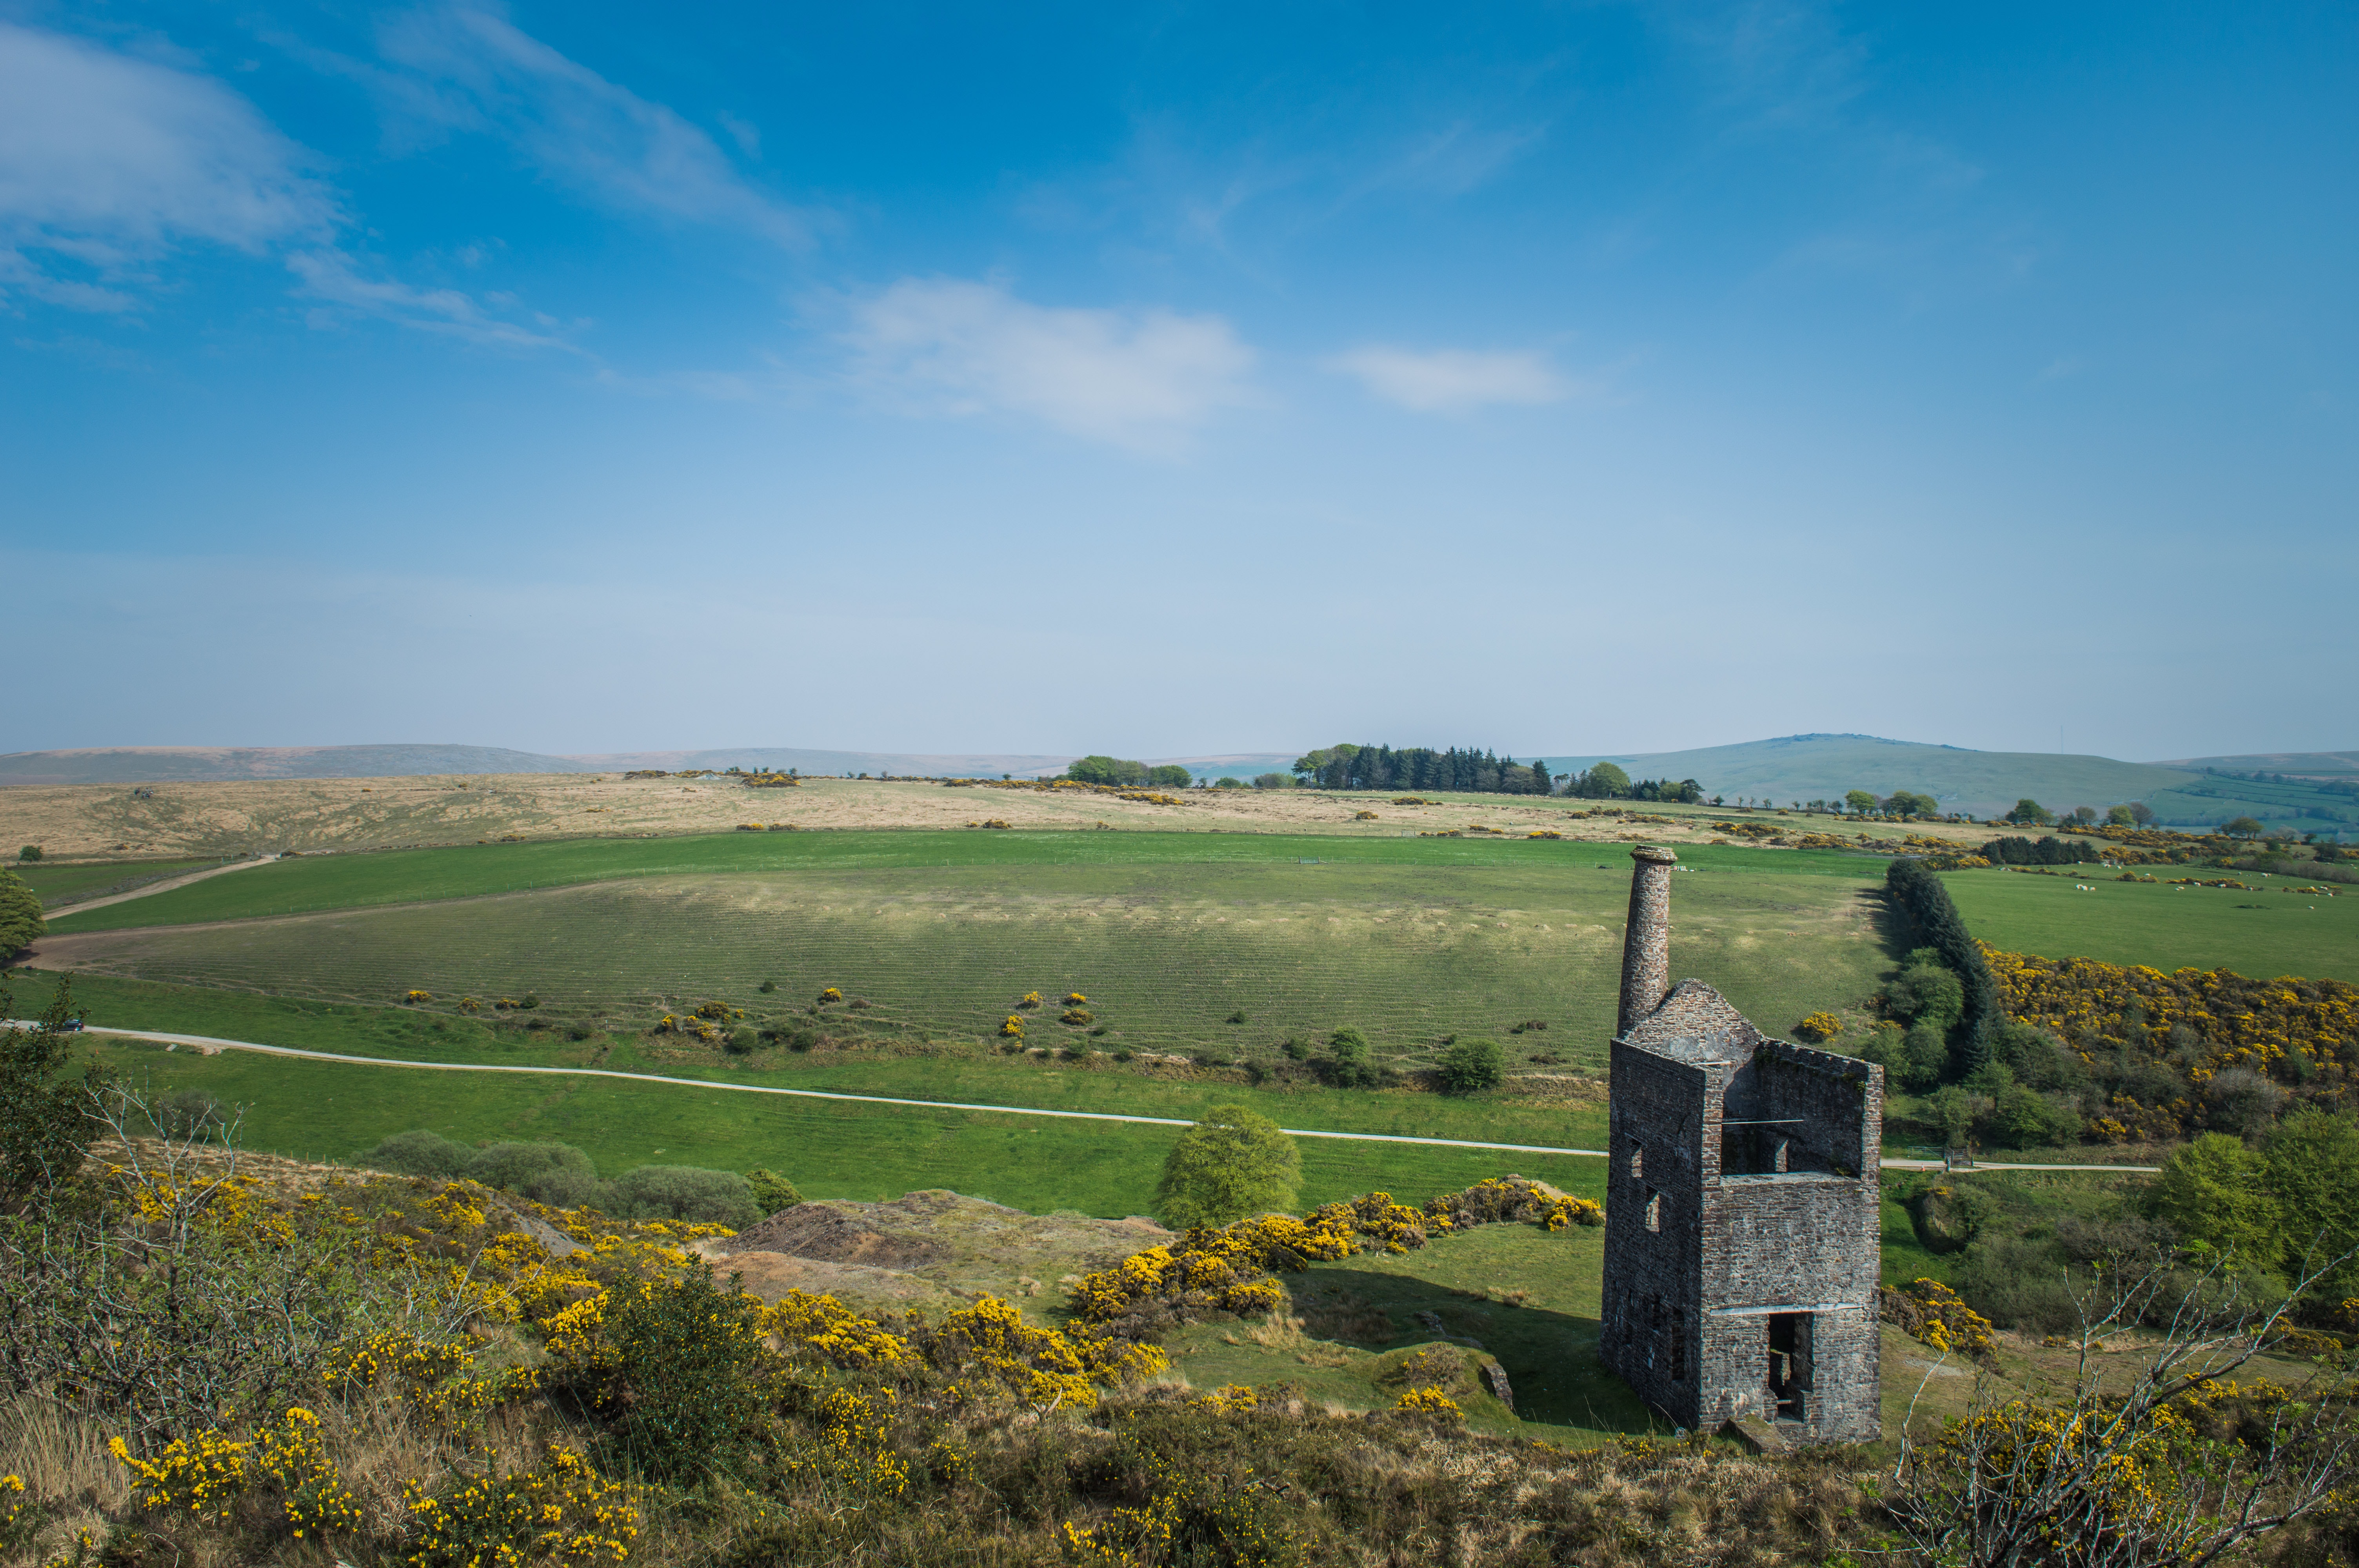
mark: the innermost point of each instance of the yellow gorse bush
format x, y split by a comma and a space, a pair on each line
1430, 1402
2243, 1023
824, 1327
1819, 1026
201, 1476
205, 1475
562, 1511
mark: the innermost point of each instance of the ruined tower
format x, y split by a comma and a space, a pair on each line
1741, 1223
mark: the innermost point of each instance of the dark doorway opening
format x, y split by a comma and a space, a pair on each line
1789, 1365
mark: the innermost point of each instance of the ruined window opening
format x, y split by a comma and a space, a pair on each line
1789, 1365
1637, 1159
1674, 1329
1653, 1211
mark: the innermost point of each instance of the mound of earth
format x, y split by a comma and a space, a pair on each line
926, 1244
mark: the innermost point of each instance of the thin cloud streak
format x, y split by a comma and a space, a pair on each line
1454, 381
470, 69
1143, 380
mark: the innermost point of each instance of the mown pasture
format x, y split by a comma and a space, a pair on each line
312, 884
1410, 941
2261, 934
1096, 1084
335, 1111
57, 884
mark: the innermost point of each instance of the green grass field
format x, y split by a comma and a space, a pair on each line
2259, 935
335, 1111
316, 883
1410, 941
57, 884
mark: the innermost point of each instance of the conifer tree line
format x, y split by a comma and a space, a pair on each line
1466, 770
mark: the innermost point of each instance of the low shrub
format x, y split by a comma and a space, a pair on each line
557, 1174
419, 1154
1469, 1066
686, 1193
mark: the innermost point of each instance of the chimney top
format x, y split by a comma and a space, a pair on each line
1655, 852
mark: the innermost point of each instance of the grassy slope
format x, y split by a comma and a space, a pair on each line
976, 1079
1410, 951
316, 883
829, 1150
55, 883
1805, 767
1357, 1310
2261, 934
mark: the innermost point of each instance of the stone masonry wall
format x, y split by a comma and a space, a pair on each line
1652, 1277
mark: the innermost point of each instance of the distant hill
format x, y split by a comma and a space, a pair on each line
164, 764
2306, 791
785, 759
2325, 765
1985, 783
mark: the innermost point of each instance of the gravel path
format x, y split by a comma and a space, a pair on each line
208, 1044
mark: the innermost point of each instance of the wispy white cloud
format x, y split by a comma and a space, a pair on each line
329, 276
107, 162
469, 68
1144, 381
1454, 381
110, 163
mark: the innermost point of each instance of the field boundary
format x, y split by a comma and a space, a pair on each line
209, 1044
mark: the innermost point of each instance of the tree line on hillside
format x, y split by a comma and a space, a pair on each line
20, 913
1126, 773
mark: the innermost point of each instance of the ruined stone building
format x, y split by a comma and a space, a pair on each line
1741, 1216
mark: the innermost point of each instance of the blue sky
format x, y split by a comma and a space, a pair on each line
1172, 379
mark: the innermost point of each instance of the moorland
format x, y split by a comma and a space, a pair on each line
1088, 952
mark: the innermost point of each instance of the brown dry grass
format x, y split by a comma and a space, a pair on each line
109, 822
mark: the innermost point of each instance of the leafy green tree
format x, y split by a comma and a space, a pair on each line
1600, 780
2241, 827
1952, 1110
2314, 1172
1927, 992
1348, 1066
29, 852
1231, 1164
2029, 813
1098, 768
2023, 1117
2142, 812
1170, 776
1860, 801
20, 913
1471, 1063
1273, 781
2121, 816
2216, 1191
771, 1191
45, 1126
1226, 782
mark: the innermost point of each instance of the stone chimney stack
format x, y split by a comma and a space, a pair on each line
1647, 945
